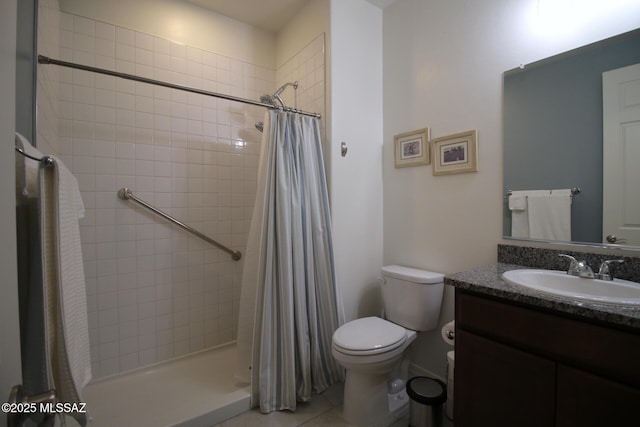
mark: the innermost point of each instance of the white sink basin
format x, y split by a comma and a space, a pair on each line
616, 291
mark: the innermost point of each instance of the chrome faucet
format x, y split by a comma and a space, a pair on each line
579, 268
582, 269
603, 271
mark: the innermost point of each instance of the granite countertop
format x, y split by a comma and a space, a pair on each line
488, 280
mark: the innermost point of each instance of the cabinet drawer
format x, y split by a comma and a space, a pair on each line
501, 386
587, 400
604, 350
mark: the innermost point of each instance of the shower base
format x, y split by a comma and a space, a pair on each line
198, 390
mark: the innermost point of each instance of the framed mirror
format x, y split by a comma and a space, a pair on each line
553, 139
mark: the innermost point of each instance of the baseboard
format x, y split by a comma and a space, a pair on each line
419, 371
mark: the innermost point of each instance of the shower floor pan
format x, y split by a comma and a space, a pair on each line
198, 390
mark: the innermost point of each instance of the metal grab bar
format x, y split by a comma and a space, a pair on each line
127, 194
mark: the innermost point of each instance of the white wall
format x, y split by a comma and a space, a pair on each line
356, 181
443, 64
182, 22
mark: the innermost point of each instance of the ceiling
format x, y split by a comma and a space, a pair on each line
269, 15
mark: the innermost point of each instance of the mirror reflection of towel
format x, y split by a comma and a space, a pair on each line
550, 216
519, 214
517, 202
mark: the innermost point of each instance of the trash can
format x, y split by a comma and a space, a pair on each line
427, 400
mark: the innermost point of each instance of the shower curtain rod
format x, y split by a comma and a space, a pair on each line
46, 60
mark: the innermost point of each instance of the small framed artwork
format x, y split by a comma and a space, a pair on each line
412, 148
457, 153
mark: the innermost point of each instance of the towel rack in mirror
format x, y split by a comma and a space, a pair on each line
574, 191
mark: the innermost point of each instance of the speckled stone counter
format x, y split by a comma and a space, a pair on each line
488, 280
549, 259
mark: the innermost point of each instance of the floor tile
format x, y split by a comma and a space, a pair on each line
324, 410
304, 412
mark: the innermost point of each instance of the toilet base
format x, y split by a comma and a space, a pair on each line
398, 403
367, 401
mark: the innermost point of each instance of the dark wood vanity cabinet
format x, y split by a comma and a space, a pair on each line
520, 366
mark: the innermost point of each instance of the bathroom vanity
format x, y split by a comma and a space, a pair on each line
527, 359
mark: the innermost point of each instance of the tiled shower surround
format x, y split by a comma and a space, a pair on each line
154, 292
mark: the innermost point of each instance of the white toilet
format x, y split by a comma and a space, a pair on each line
371, 349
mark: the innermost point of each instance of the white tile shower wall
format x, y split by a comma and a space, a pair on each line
153, 291
48, 77
307, 68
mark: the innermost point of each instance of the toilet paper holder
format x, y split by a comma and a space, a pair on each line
448, 333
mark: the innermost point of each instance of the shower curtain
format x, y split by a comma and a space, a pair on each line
290, 305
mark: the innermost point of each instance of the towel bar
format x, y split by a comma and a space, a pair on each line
46, 161
574, 191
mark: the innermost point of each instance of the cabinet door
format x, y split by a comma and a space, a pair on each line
496, 385
588, 400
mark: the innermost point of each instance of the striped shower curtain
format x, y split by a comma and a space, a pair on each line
290, 305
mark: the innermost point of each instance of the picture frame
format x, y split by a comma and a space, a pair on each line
457, 153
412, 148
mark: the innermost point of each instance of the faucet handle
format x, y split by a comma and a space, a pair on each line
603, 271
579, 268
574, 262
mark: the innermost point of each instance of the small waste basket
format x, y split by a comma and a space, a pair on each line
427, 399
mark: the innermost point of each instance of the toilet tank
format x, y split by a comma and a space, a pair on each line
411, 297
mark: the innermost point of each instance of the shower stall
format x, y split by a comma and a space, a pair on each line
159, 298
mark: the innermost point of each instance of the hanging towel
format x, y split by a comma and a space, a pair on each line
550, 215
66, 309
519, 214
517, 201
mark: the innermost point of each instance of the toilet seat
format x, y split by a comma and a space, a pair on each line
367, 336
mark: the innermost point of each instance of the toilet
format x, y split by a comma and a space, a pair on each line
371, 349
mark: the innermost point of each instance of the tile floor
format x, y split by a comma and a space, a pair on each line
324, 410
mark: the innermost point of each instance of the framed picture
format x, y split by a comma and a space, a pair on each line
412, 148
457, 153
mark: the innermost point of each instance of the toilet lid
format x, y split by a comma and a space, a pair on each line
369, 333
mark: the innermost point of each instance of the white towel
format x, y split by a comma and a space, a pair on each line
550, 215
517, 201
67, 322
519, 214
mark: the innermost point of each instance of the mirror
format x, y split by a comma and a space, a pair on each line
553, 127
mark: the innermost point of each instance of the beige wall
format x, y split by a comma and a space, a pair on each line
443, 64
311, 21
